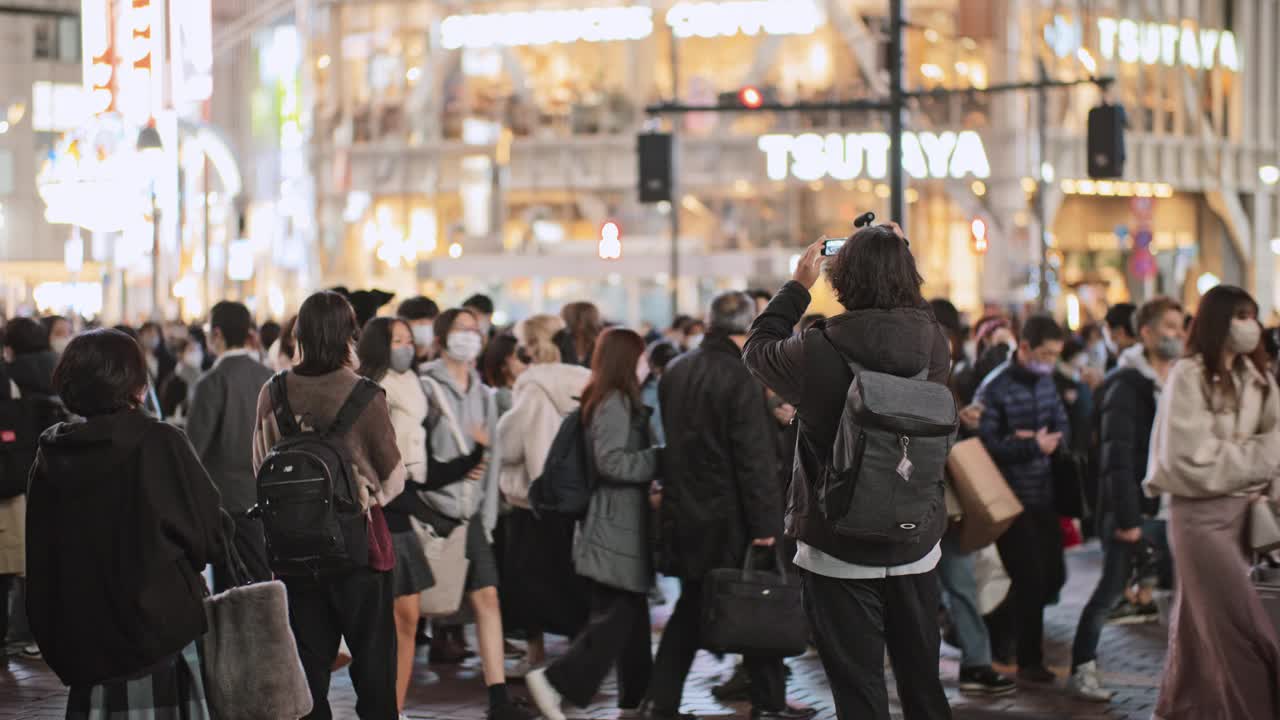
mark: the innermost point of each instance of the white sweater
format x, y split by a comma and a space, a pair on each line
543, 394
408, 405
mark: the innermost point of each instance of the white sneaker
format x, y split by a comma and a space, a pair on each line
520, 670
544, 696
1084, 684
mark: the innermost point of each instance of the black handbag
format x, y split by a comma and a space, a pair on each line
754, 612
1068, 484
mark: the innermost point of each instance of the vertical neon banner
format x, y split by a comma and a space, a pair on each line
96, 18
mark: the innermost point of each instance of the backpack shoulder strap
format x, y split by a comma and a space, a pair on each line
446, 411
361, 395
285, 420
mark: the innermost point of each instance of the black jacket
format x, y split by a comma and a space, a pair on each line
121, 520
720, 487
900, 342
33, 372
1127, 414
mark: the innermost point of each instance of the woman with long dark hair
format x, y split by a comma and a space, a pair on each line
500, 366
386, 355
355, 605
613, 544
582, 327
1215, 450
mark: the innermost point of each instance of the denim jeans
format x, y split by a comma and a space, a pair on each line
960, 592
1117, 569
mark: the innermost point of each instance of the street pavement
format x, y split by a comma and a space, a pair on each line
1131, 657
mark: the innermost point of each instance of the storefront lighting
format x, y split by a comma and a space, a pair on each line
197, 261
882, 191
455, 250
979, 188
1143, 189
664, 207
240, 260
1086, 187
1046, 172
931, 35
1146, 43
369, 235
1275, 246
848, 185
1269, 174
931, 71
810, 156
1073, 312
1163, 190
1069, 186
864, 186
816, 186
913, 195
1021, 219
1, 216
1028, 185
275, 301
1207, 282
1106, 188
1086, 59
4, 126
749, 17
741, 187
73, 251
751, 97
545, 27
323, 62
413, 74
84, 299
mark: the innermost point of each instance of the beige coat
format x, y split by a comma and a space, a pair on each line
543, 394
1204, 446
407, 402
13, 532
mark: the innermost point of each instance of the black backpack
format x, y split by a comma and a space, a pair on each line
22, 420
883, 481
308, 492
569, 475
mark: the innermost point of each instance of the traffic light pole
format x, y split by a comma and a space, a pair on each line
674, 212
897, 107
1042, 185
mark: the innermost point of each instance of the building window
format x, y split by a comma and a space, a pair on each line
57, 39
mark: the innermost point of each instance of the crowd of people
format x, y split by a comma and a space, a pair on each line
716, 440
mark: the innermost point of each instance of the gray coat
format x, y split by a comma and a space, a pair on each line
220, 424
612, 546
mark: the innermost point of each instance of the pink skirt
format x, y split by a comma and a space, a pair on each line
1224, 656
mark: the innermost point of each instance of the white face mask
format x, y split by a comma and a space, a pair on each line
424, 336
1244, 337
695, 341
194, 358
60, 344
464, 345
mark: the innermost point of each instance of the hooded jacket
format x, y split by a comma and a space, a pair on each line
33, 372
471, 406
544, 394
1127, 412
121, 520
901, 342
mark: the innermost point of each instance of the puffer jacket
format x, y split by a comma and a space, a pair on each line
612, 546
1127, 412
902, 342
1016, 399
544, 394
1204, 445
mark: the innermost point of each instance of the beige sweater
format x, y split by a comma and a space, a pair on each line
1202, 447
407, 402
543, 394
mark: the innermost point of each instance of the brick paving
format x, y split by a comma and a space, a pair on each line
1131, 657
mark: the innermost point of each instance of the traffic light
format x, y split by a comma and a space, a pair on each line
610, 241
978, 236
1106, 142
654, 150
748, 97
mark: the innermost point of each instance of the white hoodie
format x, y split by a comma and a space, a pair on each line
544, 394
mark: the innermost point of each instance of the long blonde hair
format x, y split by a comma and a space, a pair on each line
536, 334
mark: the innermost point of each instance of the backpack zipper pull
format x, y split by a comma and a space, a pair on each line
906, 467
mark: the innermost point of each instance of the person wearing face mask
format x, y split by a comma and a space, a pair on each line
421, 313
160, 362
1023, 424
1118, 331
482, 307
1215, 450
220, 423
60, 332
1128, 408
461, 418
1069, 377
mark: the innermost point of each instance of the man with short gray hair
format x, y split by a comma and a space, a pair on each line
720, 498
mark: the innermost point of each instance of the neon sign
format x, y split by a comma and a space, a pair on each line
1148, 43
810, 157
749, 17
98, 51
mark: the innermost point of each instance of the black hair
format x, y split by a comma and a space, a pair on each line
945, 312
875, 270
233, 320
325, 328
1120, 317
1040, 329
661, 353
482, 304
760, 294
810, 320
418, 308
24, 336
374, 349
127, 330
49, 321
493, 366
151, 326
1071, 348
101, 372
445, 321
269, 333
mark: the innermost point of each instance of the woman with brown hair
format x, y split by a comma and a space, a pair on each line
613, 544
1215, 450
582, 327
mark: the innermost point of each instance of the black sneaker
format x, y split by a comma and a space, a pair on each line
985, 681
736, 688
1037, 675
515, 710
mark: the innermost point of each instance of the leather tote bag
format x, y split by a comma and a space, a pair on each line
249, 656
447, 557
754, 612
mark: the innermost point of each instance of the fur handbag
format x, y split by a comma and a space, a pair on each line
249, 656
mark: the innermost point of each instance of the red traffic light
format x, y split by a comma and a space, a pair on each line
751, 97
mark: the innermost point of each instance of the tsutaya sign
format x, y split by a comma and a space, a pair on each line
811, 157
631, 22
1148, 43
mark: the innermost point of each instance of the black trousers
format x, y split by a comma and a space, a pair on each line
251, 543
680, 644
854, 621
357, 606
617, 632
1031, 550
7, 583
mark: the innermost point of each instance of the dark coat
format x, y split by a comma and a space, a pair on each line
1015, 399
1128, 412
220, 423
121, 520
901, 342
720, 487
